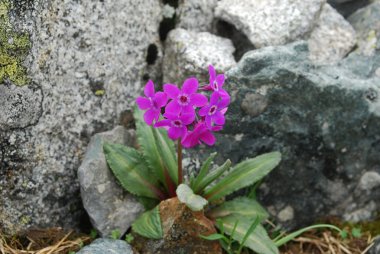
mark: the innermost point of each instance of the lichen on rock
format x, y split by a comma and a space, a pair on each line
14, 47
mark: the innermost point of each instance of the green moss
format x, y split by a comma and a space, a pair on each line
14, 47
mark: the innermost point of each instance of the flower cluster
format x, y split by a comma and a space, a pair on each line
188, 115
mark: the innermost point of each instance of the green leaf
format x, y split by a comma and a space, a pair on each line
157, 148
93, 233
344, 234
293, 235
187, 196
148, 203
115, 234
241, 206
213, 237
212, 176
244, 174
130, 169
203, 171
149, 224
257, 240
253, 226
129, 238
356, 232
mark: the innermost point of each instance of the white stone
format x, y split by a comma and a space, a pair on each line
369, 180
271, 22
332, 38
190, 53
286, 214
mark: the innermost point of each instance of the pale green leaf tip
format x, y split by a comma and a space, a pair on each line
187, 196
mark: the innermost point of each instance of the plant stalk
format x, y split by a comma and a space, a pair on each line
179, 157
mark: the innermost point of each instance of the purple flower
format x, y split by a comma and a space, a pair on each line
152, 103
216, 82
215, 110
200, 134
184, 100
176, 124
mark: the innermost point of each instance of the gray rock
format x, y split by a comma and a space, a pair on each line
20, 106
375, 249
189, 53
196, 15
347, 7
88, 59
271, 22
332, 38
323, 119
108, 205
109, 246
367, 25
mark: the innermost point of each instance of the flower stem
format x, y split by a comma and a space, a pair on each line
179, 157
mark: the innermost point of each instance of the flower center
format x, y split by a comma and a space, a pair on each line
212, 110
215, 86
153, 103
183, 99
177, 123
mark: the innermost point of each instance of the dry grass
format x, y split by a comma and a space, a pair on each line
50, 241
327, 243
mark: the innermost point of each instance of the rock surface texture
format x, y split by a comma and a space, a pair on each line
108, 205
187, 53
109, 246
196, 15
271, 22
367, 22
181, 229
324, 120
332, 38
85, 67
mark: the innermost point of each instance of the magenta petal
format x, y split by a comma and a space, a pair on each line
171, 116
208, 138
162, 123
220, 80
198, 100
208, 122
214, 98
149, 89
211, 71
223, 111
224, 101
160, 98
171, 90
188, 110
217, 128
190, 86
175, 133
187, 118
173, 108
203, 111
219, 118
150, 115
143, 103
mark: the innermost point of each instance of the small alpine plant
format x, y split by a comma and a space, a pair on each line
190, 115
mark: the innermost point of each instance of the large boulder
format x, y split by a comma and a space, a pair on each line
189, 53
324, 121
196, 15
367, 24
108, 205
86, 62
271, 22
332, 38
